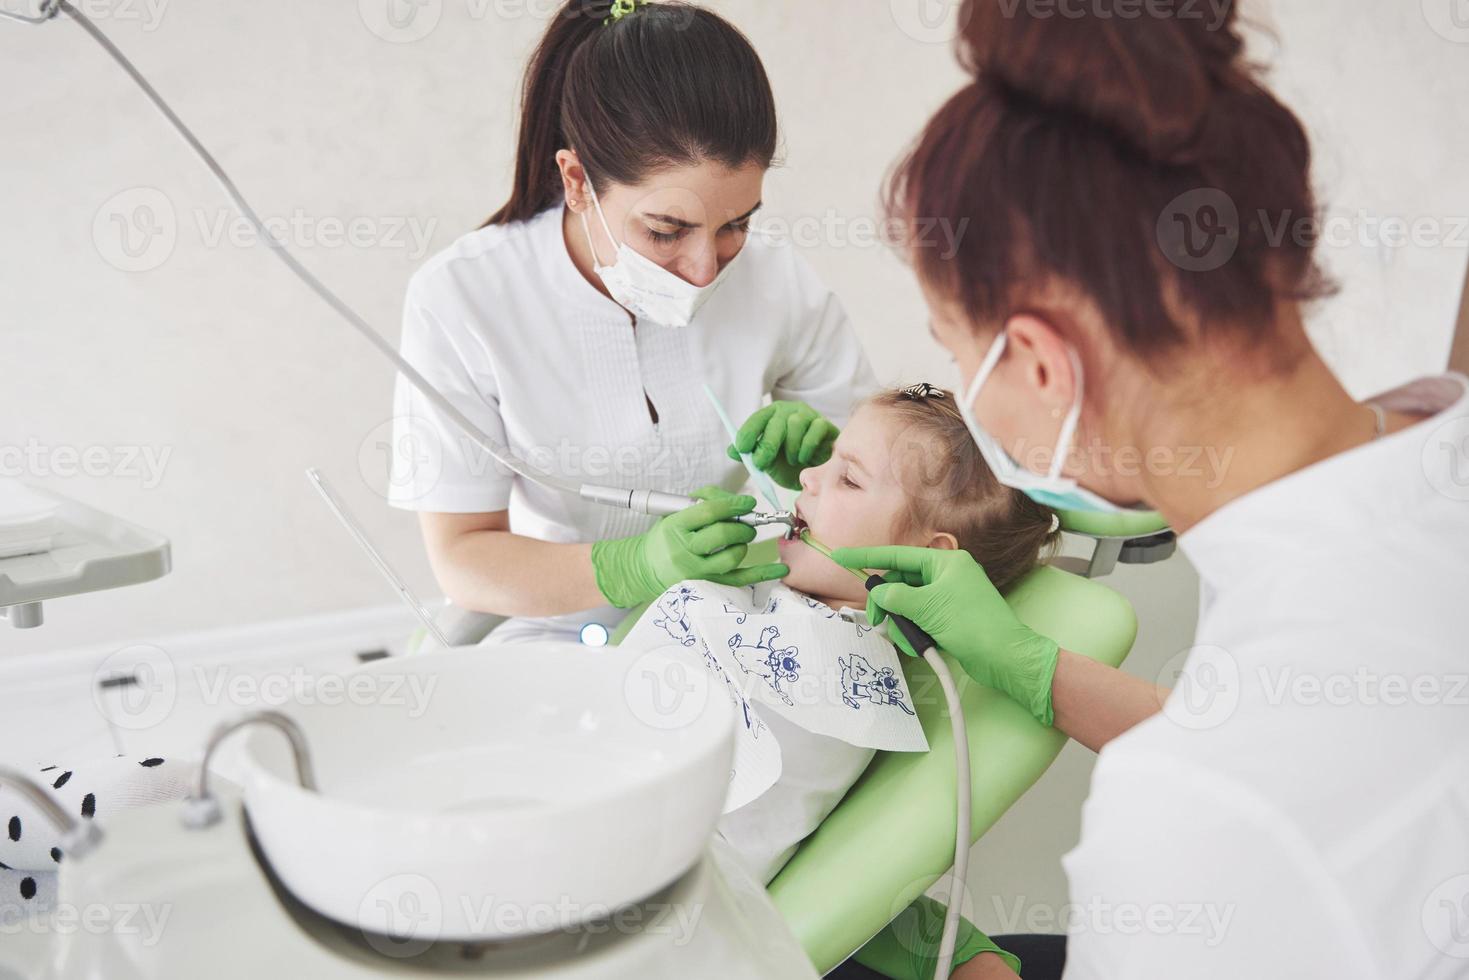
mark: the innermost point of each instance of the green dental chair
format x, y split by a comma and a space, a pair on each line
892, 835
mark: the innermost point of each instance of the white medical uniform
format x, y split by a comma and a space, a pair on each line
504, 325
1301, 806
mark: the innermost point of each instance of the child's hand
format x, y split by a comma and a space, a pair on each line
783, 439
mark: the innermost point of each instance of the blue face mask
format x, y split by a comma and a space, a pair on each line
1050, 489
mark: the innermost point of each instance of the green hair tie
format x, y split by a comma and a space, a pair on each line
620, 9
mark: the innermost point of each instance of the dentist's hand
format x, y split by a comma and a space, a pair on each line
948, 594
784, 438
699, 542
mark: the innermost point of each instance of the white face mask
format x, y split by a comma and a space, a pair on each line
1051, 489
644, 287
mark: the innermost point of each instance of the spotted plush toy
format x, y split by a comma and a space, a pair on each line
30, 844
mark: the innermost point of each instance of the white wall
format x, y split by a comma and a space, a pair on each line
214, 358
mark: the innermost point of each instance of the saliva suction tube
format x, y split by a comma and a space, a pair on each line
925, 647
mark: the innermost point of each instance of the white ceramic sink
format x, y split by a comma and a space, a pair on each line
535, 786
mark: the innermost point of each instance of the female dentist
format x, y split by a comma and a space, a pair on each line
1298, 808
580, 324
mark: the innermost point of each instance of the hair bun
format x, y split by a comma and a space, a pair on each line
1146, 75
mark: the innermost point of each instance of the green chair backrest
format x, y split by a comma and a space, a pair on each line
892, 836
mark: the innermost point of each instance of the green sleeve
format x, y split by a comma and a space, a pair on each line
907, 948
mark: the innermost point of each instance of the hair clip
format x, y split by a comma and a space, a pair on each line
922, 391
1055, 522
620, 9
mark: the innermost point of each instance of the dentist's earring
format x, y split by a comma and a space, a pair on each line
1055, 413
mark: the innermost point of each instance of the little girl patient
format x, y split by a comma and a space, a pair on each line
903, 472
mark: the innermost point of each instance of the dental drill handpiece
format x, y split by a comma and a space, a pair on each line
660, 504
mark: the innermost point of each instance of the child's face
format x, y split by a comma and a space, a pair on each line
854, 499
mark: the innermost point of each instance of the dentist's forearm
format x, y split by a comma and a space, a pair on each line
1094, 703
512, 575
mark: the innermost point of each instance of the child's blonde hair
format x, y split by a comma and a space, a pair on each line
950, 488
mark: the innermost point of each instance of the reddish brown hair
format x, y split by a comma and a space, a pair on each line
1066, 154
949, 488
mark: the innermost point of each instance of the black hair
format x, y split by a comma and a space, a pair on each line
664, 85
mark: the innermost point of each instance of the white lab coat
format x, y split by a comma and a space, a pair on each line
1301, 806
504, 325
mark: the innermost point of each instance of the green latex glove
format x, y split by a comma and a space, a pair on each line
784, 438
908, 948
699, 542
948, 594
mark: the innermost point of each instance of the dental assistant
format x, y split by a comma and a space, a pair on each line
581, 323
1296, 805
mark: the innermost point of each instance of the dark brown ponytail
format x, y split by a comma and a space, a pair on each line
1101, 152
668, 84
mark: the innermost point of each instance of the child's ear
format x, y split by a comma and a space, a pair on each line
944, 541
